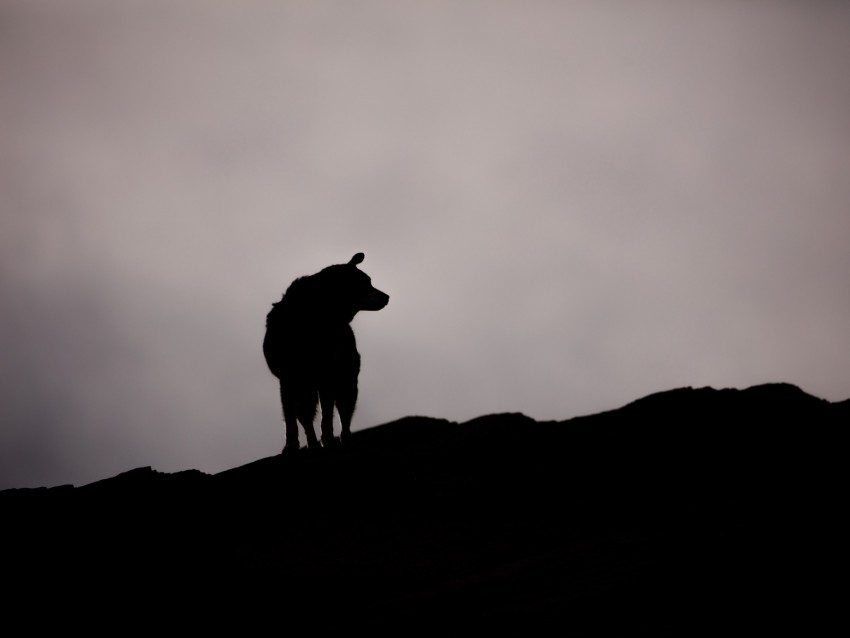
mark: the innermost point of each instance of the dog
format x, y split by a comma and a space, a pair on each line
309, 346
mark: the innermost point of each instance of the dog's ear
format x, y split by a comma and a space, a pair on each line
357, 259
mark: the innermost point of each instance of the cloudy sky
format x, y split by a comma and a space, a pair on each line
572, 204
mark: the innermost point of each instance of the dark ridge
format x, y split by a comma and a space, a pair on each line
686, 512
409, 432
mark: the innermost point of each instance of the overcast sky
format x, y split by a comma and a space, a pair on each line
572, 204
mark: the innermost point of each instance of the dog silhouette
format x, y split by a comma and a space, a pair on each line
310, 347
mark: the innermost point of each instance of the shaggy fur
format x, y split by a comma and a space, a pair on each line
310, 347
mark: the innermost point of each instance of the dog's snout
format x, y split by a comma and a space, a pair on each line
376, 300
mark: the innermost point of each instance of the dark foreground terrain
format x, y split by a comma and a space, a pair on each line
689, 512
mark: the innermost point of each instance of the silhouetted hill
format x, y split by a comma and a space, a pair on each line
693, 511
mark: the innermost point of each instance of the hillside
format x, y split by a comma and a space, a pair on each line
693, 511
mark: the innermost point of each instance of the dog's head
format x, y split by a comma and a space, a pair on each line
367, 296
348, 290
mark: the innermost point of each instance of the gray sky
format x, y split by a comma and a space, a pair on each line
571, 204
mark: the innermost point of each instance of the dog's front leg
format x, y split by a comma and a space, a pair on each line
327, 400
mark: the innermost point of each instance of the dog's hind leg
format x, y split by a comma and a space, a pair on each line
290, 420
307, 415
310, 431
